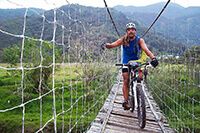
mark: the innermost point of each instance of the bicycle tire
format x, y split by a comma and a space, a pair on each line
141, 110
132, 100
145, 75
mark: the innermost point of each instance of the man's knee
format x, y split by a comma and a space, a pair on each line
126, 80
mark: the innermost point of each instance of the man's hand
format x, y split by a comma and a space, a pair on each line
154, 62
104, 45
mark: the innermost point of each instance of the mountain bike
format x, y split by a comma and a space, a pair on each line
136, 94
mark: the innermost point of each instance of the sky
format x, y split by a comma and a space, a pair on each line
49, 4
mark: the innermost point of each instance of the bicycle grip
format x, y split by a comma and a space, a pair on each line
118, 64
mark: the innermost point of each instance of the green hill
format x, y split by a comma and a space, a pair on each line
178, 23
88, 24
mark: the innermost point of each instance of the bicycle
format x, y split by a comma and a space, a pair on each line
135, 87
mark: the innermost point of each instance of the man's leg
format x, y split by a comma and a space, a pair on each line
140, 74
125, 88
125, 85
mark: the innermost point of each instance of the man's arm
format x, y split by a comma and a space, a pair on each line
146, 50
114, 44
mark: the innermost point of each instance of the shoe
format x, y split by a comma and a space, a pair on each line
126, 105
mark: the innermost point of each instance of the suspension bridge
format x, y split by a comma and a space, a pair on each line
112, 117
54, 76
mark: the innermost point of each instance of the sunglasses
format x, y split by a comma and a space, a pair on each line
130, 29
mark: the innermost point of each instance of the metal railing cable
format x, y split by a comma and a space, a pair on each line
156, 19
111, 18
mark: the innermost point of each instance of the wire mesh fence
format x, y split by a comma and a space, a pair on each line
175, 86
56, 78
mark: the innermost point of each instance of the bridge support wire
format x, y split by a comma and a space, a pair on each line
153, 111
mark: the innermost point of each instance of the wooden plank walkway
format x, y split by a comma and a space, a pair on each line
112, 118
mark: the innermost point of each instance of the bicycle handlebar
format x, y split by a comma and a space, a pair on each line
136, 67
120, 64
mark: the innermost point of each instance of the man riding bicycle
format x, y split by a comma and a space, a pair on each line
133, 46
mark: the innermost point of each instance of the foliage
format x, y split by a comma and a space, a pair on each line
71, 78
11, 55
193, 54
33, 58
175, 89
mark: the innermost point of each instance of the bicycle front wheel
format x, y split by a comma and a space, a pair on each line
141, 110
132, 100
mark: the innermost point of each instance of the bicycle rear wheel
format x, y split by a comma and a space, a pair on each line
141, 110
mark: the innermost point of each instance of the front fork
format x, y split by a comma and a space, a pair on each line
133, 83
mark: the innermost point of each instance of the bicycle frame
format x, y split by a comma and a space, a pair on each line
135, 80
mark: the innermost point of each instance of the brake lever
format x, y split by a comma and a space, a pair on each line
149, 66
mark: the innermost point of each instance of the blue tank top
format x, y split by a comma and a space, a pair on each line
131, 51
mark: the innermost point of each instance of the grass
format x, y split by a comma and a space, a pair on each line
83, 81
175, 89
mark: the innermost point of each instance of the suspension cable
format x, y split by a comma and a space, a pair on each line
111, 18
156, 19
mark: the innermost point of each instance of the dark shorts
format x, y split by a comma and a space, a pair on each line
124, 69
